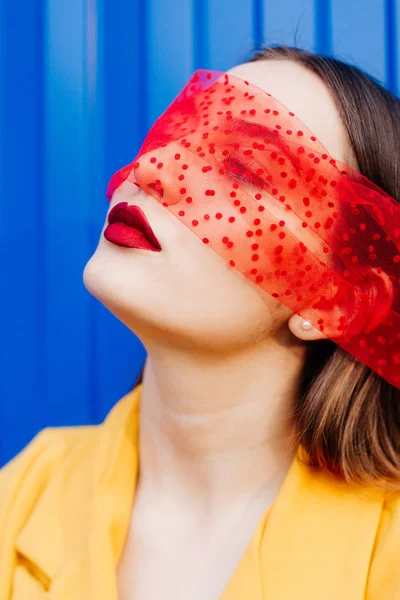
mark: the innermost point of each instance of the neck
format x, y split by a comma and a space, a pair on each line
216, 429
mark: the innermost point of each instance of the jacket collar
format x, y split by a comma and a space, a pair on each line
79, 523
316, 540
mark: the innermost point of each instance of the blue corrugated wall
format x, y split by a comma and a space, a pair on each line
80, 84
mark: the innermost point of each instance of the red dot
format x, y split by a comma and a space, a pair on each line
210, 192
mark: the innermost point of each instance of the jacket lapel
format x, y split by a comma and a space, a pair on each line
315, 541
319, 538
73, 538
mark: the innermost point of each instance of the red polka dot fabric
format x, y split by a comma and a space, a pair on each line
256, 186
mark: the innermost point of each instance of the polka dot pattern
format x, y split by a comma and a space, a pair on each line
257, 187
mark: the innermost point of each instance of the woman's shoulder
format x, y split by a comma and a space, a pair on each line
46, 494
25, 478
72, 448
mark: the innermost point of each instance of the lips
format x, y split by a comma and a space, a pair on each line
134, 217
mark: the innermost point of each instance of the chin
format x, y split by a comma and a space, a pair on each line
102, 279
95, 278
116, 288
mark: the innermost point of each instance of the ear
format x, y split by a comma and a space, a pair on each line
354, 310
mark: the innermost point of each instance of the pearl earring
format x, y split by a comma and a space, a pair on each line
306, 325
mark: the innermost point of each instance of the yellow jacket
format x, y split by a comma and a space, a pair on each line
65, 504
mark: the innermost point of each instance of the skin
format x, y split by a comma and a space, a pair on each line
221, 376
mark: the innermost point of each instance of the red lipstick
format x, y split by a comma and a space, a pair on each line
129, 227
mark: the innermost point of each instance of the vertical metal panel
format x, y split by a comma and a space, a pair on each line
291, 22
94, 151
358, 34
66, 183
258, 23
396, 49
21, 226
391, 48
201, 55
169, 52
122, 84
323, 27
230, 33
81, 84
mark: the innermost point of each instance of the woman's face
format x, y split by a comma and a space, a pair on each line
187, 295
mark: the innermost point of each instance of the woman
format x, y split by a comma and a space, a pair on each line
203, 492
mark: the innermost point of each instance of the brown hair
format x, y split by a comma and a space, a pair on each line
349, 417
